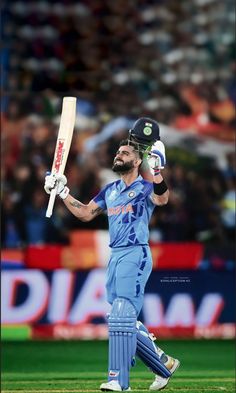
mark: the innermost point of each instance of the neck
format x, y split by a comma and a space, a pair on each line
129, 177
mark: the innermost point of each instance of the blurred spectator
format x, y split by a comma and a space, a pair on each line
12, 223
35, 223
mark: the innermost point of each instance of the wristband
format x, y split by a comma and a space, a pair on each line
64, 193
160, 188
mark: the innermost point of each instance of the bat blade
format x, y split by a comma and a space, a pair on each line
63, 143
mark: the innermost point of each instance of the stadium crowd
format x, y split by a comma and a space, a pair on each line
173, 61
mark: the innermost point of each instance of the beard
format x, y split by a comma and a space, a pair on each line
123, 168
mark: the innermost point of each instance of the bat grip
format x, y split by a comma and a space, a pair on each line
51, 202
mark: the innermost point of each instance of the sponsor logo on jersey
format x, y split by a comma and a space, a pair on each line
115, 211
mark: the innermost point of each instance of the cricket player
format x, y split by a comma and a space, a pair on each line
129, 203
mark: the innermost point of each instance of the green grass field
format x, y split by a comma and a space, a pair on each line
80, 366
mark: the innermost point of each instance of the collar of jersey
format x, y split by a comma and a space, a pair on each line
123, 185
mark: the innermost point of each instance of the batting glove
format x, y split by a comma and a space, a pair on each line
58, 181
157, 158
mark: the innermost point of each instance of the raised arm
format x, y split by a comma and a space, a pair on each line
156, 162
81, 211
78, 209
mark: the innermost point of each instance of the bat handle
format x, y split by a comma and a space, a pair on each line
51, 202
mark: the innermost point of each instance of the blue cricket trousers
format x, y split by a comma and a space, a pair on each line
127, 273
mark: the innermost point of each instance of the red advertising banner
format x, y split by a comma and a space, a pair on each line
46, 257
90, 249
86, 256
177, 255
89, 331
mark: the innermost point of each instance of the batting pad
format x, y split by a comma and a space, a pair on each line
122, 340
147, 352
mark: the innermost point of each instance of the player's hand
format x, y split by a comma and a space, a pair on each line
58, 181
157, 158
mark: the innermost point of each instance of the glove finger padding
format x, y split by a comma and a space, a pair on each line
153, 162
158, 150
50, 183
55, 180
61, 178
61, 182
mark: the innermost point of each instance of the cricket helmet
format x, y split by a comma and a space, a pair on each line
145, 132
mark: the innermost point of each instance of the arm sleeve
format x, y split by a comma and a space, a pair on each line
99, 199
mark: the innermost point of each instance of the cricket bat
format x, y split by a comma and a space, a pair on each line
63, 143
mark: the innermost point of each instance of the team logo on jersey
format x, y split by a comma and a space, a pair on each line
131, 194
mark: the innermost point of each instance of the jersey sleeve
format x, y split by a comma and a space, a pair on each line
149, 192
99, 199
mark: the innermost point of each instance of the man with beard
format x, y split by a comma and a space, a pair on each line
129, 203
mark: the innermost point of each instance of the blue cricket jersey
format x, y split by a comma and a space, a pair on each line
129, 210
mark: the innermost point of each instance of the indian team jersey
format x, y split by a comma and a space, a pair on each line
129, 210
